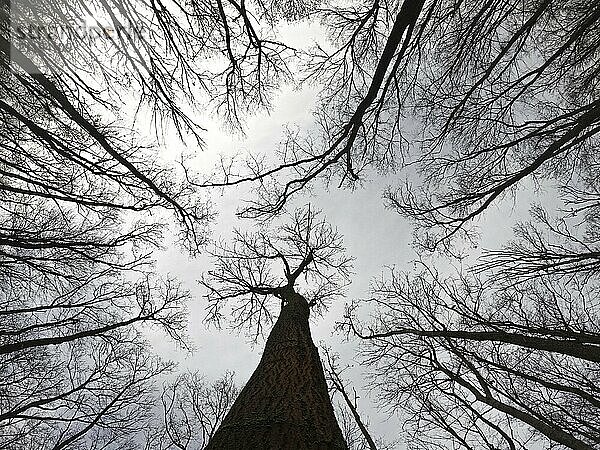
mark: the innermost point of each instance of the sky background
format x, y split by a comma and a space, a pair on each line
375, 236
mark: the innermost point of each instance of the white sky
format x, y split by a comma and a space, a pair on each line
374, 236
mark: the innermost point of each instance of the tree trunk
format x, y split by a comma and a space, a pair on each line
285, 404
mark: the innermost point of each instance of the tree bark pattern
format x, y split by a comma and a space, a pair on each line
285, 404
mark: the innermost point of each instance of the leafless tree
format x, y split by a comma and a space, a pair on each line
158, 49
490, 95
504, 93
191, 411
285, 403
305, 253
500, 94
83, 197
81, 205
474, 100
75, 368
559, 246
82, 394
510, 94
479, 364
351, 432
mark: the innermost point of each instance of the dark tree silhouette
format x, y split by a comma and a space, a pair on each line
355, 427
191, 411
511, 346
481, 363
82, 206
285, 404
350, 430
479, 99
75, 368
83, 394
83, 197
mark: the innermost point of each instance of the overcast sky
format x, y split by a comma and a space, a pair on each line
374, 236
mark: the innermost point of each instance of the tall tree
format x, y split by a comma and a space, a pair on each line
82, 203
285, 403
470, 361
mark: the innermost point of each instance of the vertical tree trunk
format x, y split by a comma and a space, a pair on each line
285, 404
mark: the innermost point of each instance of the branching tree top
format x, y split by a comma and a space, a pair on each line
305, 252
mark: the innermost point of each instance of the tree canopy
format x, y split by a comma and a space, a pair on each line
465, 105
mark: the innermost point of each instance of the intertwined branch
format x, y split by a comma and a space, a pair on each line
305, 253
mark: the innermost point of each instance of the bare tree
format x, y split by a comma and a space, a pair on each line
474, 100
511, 95
191, 411
286, 402
83, 196
368, 43
485, 365
76, 240
83, 394
355, 440
354, 427
503, 93
562, 247
159, 49
75, 367
259, 265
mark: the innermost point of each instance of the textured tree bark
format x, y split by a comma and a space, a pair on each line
285, 404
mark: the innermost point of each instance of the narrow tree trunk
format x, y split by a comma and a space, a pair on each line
285, 404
